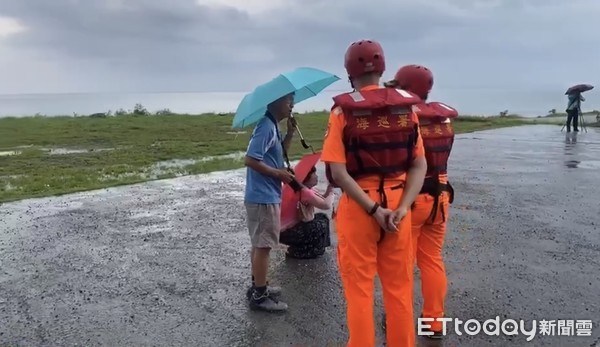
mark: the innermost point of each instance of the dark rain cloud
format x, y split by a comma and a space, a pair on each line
156, 45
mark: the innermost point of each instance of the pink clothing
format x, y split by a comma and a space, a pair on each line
305, 201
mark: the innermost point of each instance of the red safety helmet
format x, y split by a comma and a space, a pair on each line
364, 56
414, 78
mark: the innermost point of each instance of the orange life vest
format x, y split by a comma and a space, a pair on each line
380, 134
438, 137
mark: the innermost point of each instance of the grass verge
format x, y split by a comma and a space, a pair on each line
43, 156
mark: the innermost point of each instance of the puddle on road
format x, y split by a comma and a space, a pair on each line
572, 164
527, 149
582, 151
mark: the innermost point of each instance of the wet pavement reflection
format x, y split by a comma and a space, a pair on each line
166, 262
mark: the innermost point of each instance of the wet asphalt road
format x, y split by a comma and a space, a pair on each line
165, 263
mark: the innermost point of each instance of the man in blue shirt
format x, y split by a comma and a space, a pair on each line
573, 109
264, 176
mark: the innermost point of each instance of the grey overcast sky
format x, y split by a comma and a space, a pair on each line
520, 46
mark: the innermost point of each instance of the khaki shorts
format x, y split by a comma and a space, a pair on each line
263, 224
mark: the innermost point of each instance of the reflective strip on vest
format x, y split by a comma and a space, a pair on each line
362, 113
357, 96
404, 93
399, 110
394, 111
445, 106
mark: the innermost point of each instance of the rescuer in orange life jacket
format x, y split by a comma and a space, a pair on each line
373, 152
430, 210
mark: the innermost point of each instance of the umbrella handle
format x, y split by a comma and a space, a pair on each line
304, 144
296, 186
302, 140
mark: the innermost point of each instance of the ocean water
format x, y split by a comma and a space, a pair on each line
467, 101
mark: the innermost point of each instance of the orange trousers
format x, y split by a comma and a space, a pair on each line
428, 241
362, 254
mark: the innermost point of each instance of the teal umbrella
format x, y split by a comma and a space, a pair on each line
304, 82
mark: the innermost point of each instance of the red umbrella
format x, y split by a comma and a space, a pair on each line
301, 170
305, 164
580, 88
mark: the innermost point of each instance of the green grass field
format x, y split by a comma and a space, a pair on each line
42, 156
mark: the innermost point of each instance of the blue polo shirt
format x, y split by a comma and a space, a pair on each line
265, 145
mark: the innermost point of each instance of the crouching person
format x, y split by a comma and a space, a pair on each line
303, 230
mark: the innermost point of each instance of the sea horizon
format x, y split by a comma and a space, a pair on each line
483, 102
